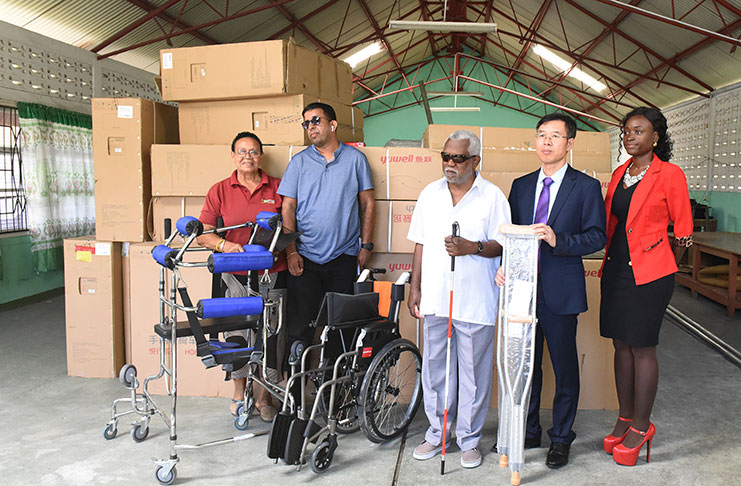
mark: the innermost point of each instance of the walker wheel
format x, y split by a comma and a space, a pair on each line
165, 478
321, 458
127, 375
110, 431
241, 422
139, 432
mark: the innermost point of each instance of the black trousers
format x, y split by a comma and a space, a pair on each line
306, 291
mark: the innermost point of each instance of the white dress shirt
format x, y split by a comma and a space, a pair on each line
554, 187
479, 213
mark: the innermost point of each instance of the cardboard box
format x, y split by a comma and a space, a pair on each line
513, 149
503, 180
276, 120
252, 69
596, 369
191, 170
142, 312
394, 264
93, 307
408, 170
392, 226
123, 131
173, 207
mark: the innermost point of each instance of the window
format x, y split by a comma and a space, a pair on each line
12, 195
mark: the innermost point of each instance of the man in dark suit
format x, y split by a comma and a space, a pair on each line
567, 212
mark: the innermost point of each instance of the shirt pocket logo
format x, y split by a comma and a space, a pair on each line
268, 201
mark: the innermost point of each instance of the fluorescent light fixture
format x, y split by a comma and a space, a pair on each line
455, 93
468, 27
455, 108
564, 65
363, 54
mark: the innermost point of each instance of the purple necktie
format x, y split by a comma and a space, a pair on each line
541, 211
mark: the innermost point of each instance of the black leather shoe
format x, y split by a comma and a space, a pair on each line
530, 443
558, 455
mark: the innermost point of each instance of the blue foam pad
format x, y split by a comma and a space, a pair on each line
240, 262
164, 255
188, 225
229, 307
251, 248
267, 220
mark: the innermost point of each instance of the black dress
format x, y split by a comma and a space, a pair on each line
630, 312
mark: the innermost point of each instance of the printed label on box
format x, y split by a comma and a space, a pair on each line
103, 249
167, 60
125, 111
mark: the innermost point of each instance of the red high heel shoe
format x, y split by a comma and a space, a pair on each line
629, 457
611, 441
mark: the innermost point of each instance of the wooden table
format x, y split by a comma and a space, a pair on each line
723, 245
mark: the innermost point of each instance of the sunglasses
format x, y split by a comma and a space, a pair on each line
315, 120
457, 158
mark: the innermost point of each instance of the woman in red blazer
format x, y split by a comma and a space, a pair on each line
645, 195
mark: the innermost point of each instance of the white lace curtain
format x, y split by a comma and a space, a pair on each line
57, 158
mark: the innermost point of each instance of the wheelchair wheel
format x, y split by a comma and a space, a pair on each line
322, 456
346, 408
391, 391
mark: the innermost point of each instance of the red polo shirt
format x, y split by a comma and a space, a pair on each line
236, 204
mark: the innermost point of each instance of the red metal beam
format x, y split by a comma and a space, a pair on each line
306, 17
323, 47
676, 58
382, 37
533, 29
152, 14
645, 48
191, 29
675, 22
148, 7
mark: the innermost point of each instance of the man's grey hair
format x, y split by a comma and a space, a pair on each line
474, 144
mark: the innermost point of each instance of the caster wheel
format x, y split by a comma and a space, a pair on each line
321, 458
110, 431
241, 422
165, 478
139, 432
127, 375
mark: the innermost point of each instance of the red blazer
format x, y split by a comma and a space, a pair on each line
661, 197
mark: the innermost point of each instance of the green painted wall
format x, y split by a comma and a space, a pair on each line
17, 278
726, 208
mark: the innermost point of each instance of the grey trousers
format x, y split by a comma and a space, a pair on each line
471, 369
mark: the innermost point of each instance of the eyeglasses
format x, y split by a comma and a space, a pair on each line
251, 154
457, 158
555, 137
315, 120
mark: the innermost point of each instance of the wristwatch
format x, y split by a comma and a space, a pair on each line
367, 246
481, 247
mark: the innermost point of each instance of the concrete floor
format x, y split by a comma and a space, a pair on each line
51, 425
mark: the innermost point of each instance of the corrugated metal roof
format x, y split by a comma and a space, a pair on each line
570, 25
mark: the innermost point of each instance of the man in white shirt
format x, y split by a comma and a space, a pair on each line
479, 207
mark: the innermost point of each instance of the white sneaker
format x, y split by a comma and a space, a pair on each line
471, 458
426, 451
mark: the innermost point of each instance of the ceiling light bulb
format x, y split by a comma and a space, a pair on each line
364, 54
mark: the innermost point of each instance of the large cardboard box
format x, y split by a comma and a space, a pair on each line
93, 307
394, 263
191, 170
252, 69
276, 120
402, 172
123, 131
513, 149
392, 226
503, 180
596, 369
142, 312
174, 208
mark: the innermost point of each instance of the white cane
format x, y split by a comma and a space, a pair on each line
447, 358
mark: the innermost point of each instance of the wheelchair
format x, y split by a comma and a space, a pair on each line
374, 384
258, 312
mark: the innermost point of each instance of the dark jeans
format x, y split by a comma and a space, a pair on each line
305, 294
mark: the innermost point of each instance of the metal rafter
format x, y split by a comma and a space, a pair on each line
677, 23
148, 7
382, 37
675, 59
131, 27
531, 33
306, 17
323, 47
197, 27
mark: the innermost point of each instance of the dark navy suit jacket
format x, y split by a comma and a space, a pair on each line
578, 219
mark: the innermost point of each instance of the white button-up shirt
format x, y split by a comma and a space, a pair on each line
479, 213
